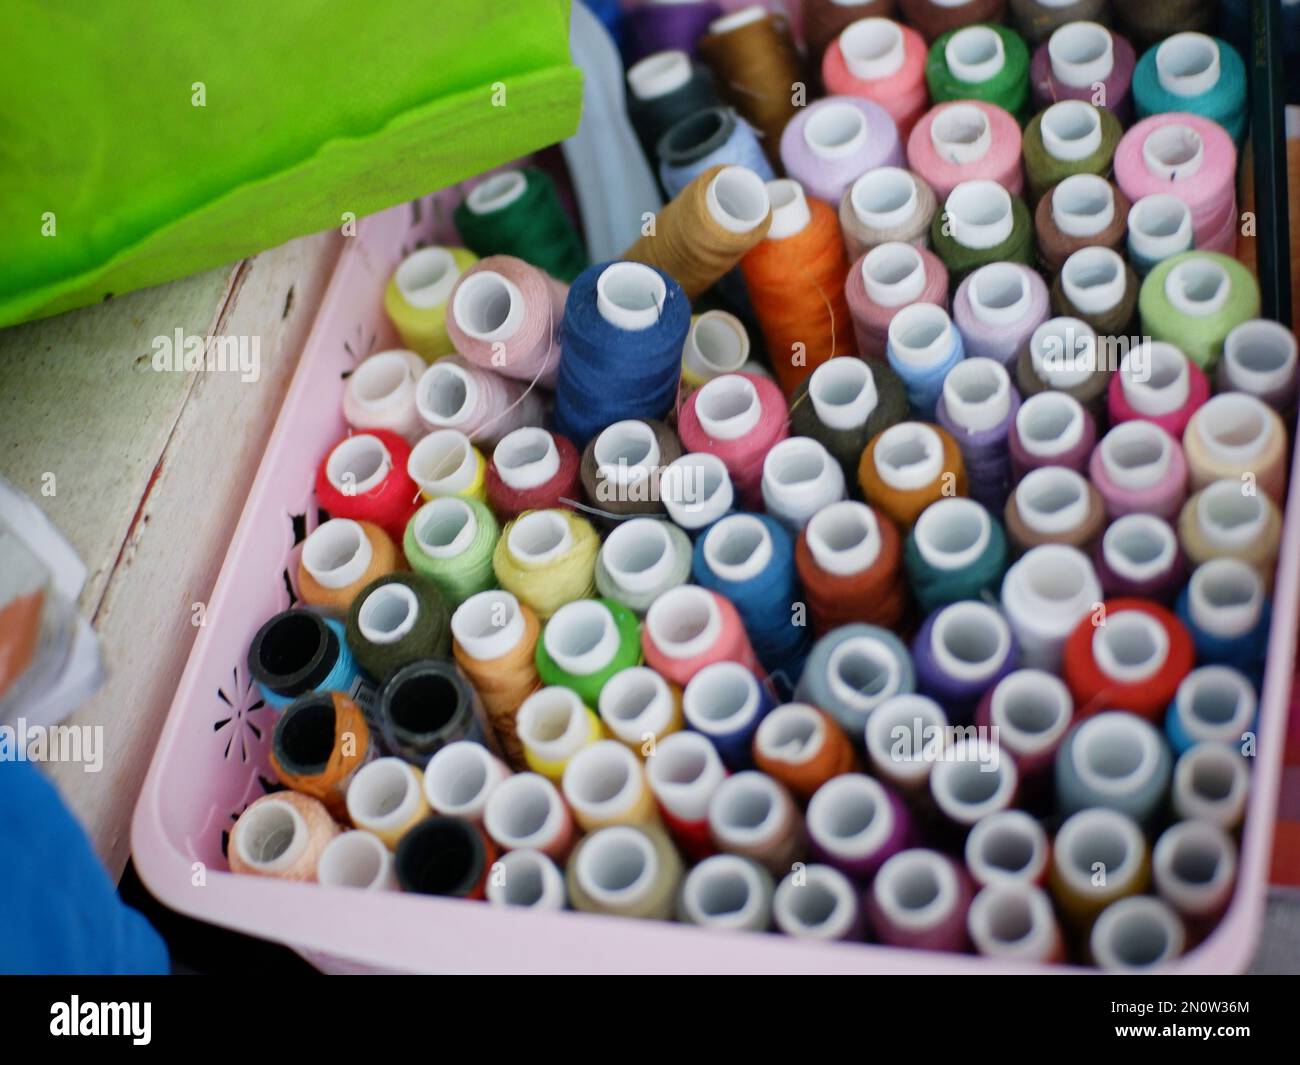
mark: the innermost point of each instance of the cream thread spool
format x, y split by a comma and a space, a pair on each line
729, 892
625, 870
281, 835
380, 393
1211, 783
716, 344
752, 815
1014, 920
1194, 866
920, 722
357, 859
554, 725
445, 463
605, 784
1259, 357
1044, 596
386, 797
639, 709
800, 478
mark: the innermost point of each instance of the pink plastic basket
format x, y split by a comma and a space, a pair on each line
212, 756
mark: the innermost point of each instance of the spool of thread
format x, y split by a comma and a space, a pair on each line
727, 892
1139, 556
960, 651
417, 295
1226, 611
1054, 505
1096, 287
1211, 783
650, 29
1214, 704
884, 281
978, 406
380, 394
363, 477
605, 784
639, 708
981, 223
755, 64
1194, 869
1082, 211
1070, 137
884, 205
1093, 841
547, 558
425, 706
518, 212
726, 703
532, 469
1138, 468
1008, 847
818, 902
752, 815
396, 620
710, 137
844, 404
1037, 19
1113, 760
1136, 935
1194, 300
627, 871
737, 418
1083, 60
966, 140
980, 62
856, 824
1015, 922
298, 651
1192, 158
684, 774
1050, 429
935, 17
1131, 655
905, 736
1193, 73
460, 778
624, 326
553, 725
795, 279
620, 468
919, 900
696, 491
1044, 596
802, 747
854, 669
825, 20
453, 394
749, 559
1222, 521
1235, 435
665, 87
1064, 354
529, 879
1259, 358
716, 344
450, 542
972, 783
996, 310
495, 638
585, 643
386, 798
446, 464
320, 741
828, 145
909, 466
1156, 383
640, 560
505, 317
1145, 27
688, 628
800, 478
526, 812
445, 856
848, 559
280, 835
880, 60
339, 558
1159, 225
359, 860
955, 551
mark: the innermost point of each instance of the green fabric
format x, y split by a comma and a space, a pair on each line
313, 109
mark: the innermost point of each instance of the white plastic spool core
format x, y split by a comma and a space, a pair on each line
553, 723
909, 456
905, 735
977, 394
1098, 835
922, 335
1159, 226
635, 703
790, 211
488, 306
384, 795
497, 192
1013, 920
1155, 378
980, 214
356, 859
893, 274
1083, 205
1081, 54
792, 733
1053, 500
358, 464
872, 48
970, 640
835, 129
973, 782
1058, 581
460, 777
1211, 782
528, 879
716, 344
1228, 518
1139, 547
603, 780
975, 54
884, 198
843, 392
272, 838
1115, 754
444, 463
1063, 352
527, 458
1094, 280
696, 489
639, 555
799, 477
581, 637
736, 19
617, 866
626, 452
684, 774
738, 548
425, 277
916, 889
1216, 703
844, 537
850, 816
380, 380
1136, 455
659, 74
1071, 130
1225, 596
726, 891
999, 293
1235, 427
721, 698
1198, 287
1194, 865
630, 295
728, 407
1187, 64
1136, 934
1049, 424
539, 537
488, 624
1131, 647
862, 673
737, 199
337, 553
961, 134
821, 905
953, 533
388, 613
747, 810
1174, 152
684, 622
525, 812
1007, 847
1259, 356
446, 394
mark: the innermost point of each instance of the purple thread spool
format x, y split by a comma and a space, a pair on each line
919, 899
997, 308
1139, 555
978, 407
1076, 58
654, 28
960, 652
856, 824
829, 145
1050, 429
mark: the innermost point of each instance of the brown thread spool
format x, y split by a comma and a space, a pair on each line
1054, 505
707, 229
1087, 384
1037, 21
621, 466
824, 20
802, 747
932, 19
1147, 24
918, 464
321, 739
1096, 287
342, 557
1093, 212
1221, 521
884, 205
756, 67
849, 559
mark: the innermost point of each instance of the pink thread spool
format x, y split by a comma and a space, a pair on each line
997, 308
380, 394
1139, 469
885, 280
919, 899
1075, 60
688, 628
737, 417
881, 60
1157, 383
830, 144
966, 140
453, 394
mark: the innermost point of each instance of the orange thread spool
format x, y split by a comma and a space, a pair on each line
335, 548
802, 747
921, 463
301, 732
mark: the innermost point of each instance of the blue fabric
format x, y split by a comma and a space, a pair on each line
60, 911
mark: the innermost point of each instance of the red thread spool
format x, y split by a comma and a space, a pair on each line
737, 417
364, 478
849, 558
1145, 652
532, 469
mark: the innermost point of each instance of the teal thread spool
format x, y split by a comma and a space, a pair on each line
956, 550
1194, 73
585, 643
980, 62
1194, 300
450, 541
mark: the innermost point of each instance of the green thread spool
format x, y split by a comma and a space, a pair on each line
585, 643
1069, 122
1194, 300
946, 229
450, 541
518, 212
396, 620
975, 47
964, 554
